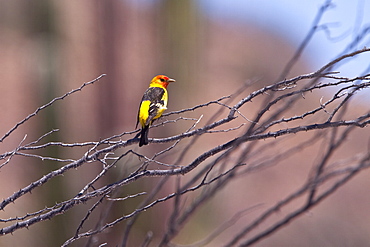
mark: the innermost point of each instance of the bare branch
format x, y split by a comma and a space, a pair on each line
49, 104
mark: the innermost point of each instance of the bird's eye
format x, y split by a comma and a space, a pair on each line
162, 80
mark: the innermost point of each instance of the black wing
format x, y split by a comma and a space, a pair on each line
154, 95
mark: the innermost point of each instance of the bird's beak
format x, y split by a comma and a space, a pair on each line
171, 80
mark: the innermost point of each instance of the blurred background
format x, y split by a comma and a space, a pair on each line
211, 47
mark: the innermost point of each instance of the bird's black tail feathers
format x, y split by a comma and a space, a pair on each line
144, 136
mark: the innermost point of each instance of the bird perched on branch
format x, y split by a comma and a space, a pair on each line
153, 104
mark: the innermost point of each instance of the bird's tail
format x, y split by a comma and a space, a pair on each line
144, 136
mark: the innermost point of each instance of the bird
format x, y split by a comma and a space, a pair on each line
153, 104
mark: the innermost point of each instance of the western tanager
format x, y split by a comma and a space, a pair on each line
152, 105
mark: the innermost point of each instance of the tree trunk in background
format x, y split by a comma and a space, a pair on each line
182, 25
108, 30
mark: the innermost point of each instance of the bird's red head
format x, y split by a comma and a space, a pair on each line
161, 80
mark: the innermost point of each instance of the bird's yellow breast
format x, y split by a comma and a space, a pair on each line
144, 112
